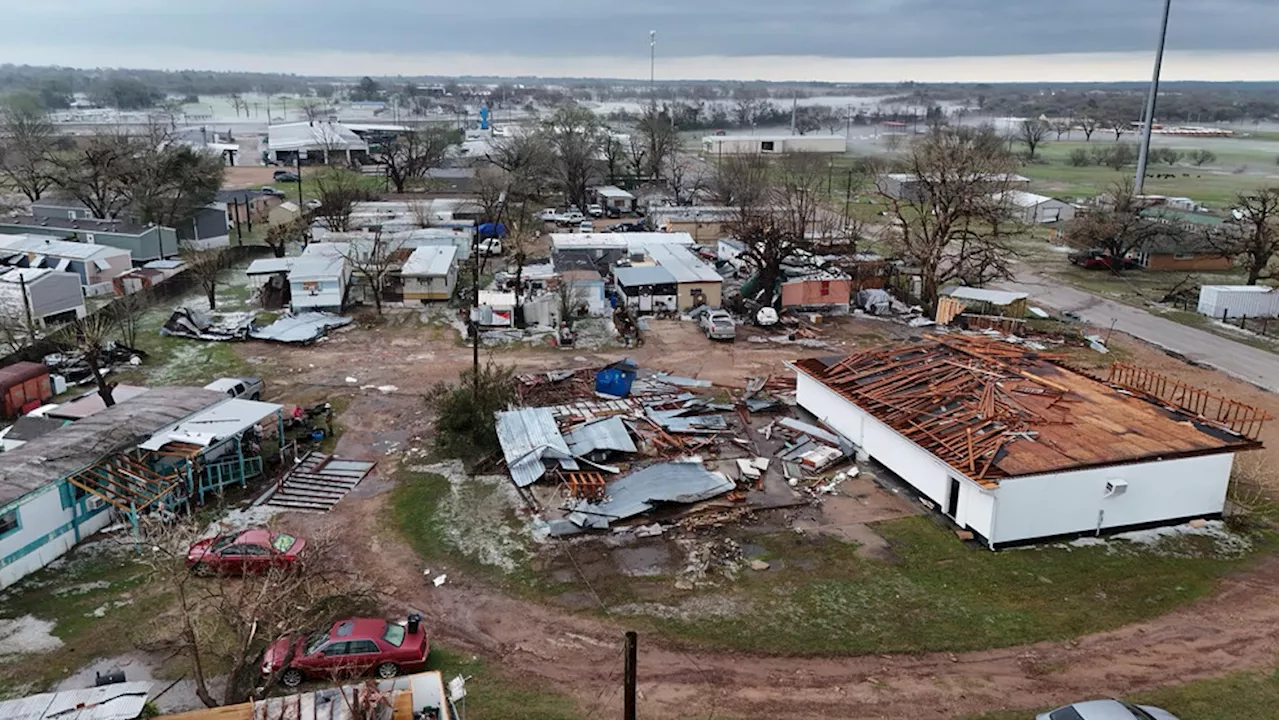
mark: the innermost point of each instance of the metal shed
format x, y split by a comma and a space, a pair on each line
1234, 301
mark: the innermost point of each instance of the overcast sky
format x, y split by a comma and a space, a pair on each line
743, 39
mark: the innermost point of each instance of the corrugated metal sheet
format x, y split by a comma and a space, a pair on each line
216, 423
528, 436
121, 701
607, 434
995, 297
642, 491
304, 327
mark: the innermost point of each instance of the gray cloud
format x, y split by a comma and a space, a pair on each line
568, 28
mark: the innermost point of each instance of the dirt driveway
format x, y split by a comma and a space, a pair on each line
385, 372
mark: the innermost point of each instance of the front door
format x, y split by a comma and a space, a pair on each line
646, 299
953, 498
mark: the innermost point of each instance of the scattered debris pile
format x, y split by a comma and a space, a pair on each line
597, 448
302, 328
76, 370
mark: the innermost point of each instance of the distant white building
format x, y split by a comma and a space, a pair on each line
1033, 209
313, 142
772, 144
430, 273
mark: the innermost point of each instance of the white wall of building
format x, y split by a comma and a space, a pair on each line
1070, 502
47, 533
918, 467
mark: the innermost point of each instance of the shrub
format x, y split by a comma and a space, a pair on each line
1079, 158
464, 412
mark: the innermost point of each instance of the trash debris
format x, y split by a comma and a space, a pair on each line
197, 325
439, 580
303, 328
352, 380
759, 565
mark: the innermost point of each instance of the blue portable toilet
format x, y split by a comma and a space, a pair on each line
616, 379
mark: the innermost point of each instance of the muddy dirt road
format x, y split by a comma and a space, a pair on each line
580, 655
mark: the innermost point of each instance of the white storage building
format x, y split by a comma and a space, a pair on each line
1034, 209
47, 297
1015, 448
772, 144
1235, 301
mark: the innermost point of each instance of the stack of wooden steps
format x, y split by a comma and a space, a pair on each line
316, 483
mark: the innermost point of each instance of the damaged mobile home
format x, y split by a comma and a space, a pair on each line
1014, 447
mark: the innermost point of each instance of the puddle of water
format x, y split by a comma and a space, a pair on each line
751, 551
643, 561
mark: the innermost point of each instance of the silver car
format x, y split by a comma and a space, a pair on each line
1106, 710
717, 324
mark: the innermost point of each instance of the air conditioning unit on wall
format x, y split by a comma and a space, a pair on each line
1115, 487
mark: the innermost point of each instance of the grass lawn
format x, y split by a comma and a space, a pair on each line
96, 600
372, 183
1239, 696
492, 695
942, 595
821, 598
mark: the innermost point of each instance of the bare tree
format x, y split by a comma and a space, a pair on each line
1251, 233
741, 180
408, 157
1032, 133
1060, 128
338, 190
1117, 229
660, 140
168, 182
373, 260
313, 109
615, 156
1116, 125
574, 133
238, 103
1201, 157
637, 156
892, 141
126, 311
224, 623
951, 227
1088, 125
27, 144
205, 265
775, 227
99, 172
87, 338
685, 177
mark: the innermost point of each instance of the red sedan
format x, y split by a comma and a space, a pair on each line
353, 646
243, 553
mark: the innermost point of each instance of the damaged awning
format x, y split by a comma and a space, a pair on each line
643, 491
216, 423
528, 437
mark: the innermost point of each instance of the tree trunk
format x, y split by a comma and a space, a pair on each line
278, 250
1255, 273
104, 388
377, 297
211, 291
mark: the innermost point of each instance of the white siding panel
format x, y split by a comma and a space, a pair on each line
42, 513
918, 467
1069, 502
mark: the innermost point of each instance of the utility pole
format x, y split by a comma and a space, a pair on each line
1149, 116
629, 679
297, 166
653, 41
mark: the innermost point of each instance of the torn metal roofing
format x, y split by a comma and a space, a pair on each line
607, 434
301, 328
528, 436
675, 421
119, 701
213, 424
642, 491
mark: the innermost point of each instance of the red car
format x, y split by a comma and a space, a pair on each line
243, 553
353, 646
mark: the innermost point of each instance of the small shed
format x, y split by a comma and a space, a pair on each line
980, 302
285, 212
24, 385
430, 273
1034, 209
1236, 301
646, 288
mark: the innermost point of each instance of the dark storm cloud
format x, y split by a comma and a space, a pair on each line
838, 28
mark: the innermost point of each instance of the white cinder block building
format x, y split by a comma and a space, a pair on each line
1016, 448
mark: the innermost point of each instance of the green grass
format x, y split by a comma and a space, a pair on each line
374, 184
493, 695
179, 361
1248, 695
421, 504
942, 595
45, 595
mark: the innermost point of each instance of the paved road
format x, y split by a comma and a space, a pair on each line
1256, 366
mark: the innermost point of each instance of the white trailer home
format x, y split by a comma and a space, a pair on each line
1015, 448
